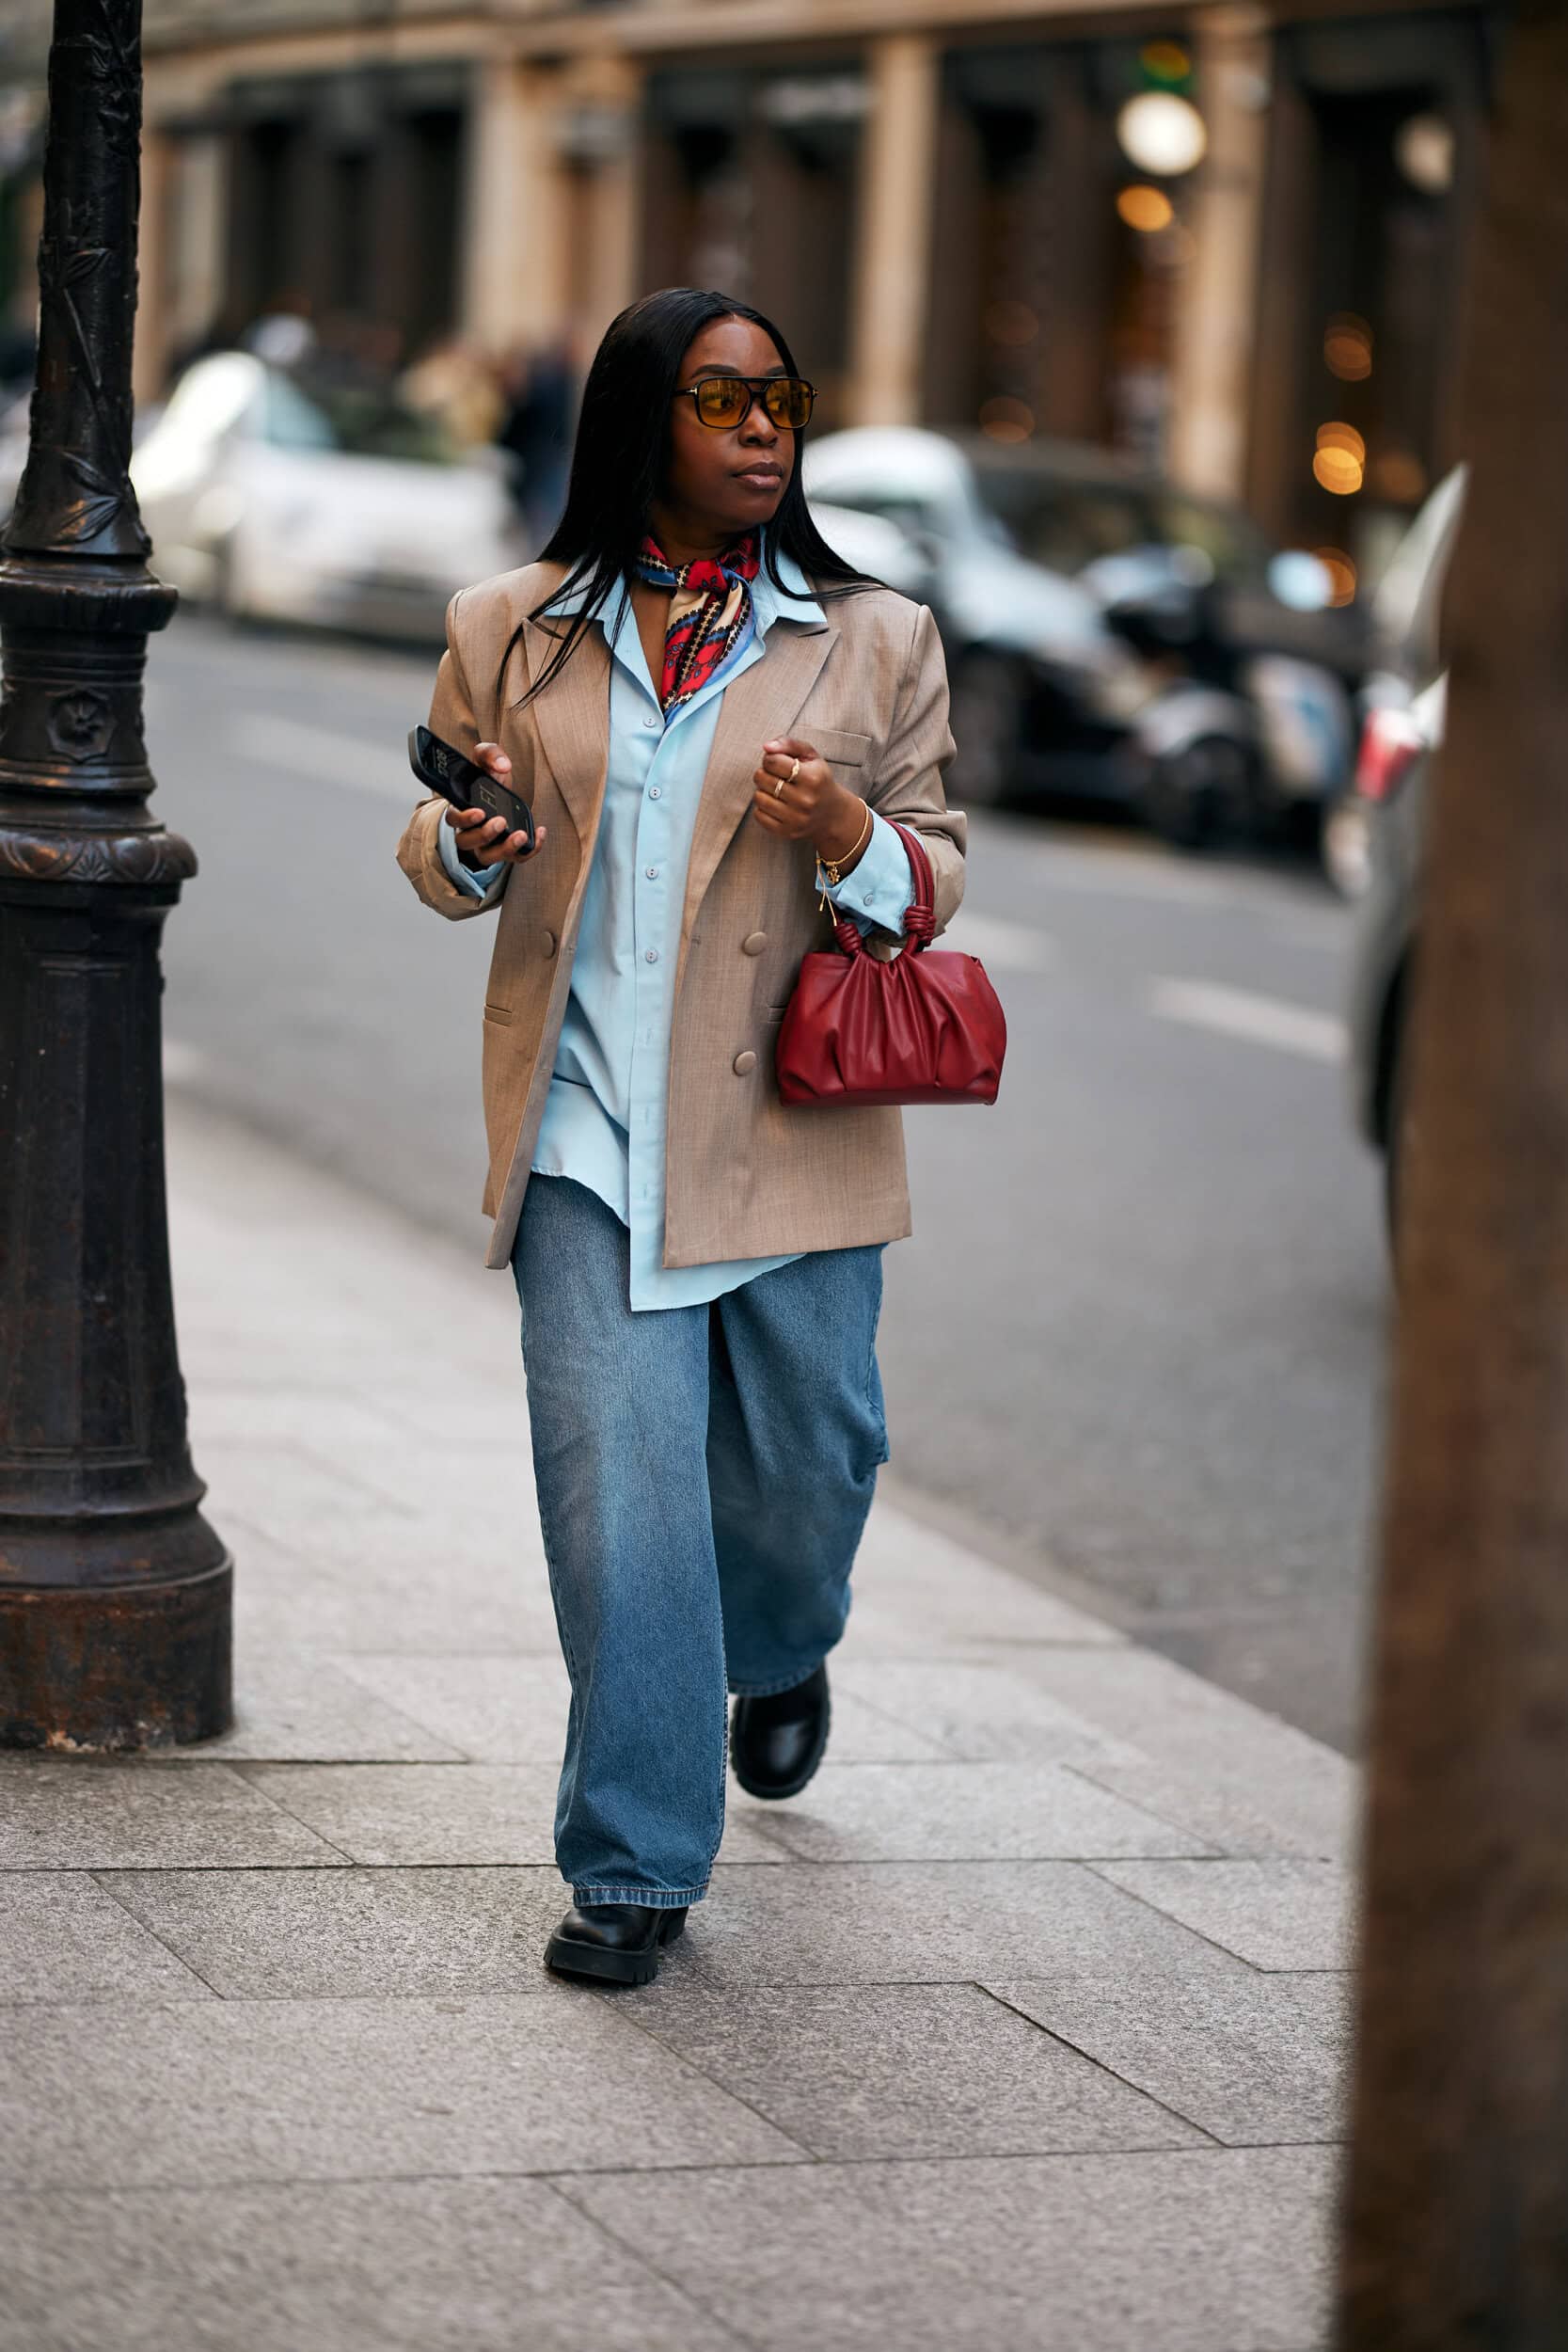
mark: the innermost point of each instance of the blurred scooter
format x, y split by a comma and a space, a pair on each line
1235, 736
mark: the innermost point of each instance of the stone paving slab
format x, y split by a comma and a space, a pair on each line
1204, 1734
883, 2071
1276, 1915
431, 2266
917, 1595
70, 1814
964, 1812
1253, 2059
1196, 2250
279, 1934
496, 1709
294, 1705
193, 2094
64, 1938
413, 1814
416, 1598
975, 1710
914, 1923
1220, 1818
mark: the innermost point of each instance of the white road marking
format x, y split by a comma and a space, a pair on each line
1011, 947
1260, 1020
355, 762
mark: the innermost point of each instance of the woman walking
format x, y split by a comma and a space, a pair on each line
713, 720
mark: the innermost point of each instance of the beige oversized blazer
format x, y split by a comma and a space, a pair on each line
745, 1178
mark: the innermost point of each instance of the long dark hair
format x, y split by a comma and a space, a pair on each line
619, 458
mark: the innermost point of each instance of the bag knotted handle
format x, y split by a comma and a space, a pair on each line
920, 919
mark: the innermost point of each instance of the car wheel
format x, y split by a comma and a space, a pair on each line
988, 728
1194, 797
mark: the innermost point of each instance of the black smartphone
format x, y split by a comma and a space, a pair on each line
441, 768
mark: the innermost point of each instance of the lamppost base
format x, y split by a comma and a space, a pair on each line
139, 1663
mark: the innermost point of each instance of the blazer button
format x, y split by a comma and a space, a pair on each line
548, 949
754, 943
744, 1064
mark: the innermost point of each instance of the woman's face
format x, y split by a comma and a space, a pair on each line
722, 483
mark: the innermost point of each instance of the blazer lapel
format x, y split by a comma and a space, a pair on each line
762, 702
572, 717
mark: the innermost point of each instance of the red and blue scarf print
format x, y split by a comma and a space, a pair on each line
710, 608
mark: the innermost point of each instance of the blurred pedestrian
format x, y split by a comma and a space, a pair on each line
712, 718
455, 387
536, 429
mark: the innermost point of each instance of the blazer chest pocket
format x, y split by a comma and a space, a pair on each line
503, 1013
839, 748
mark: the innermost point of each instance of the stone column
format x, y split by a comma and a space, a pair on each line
897, 186
1212, 379
506, 223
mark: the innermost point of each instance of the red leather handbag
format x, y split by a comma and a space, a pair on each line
925, 1028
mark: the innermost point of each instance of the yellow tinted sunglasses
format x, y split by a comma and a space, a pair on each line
725, 401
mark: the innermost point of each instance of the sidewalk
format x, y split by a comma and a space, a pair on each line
1023, 2027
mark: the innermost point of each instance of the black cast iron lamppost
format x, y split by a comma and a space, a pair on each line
114, 1592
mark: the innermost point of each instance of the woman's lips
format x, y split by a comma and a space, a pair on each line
761, 477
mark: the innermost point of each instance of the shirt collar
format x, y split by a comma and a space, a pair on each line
794, 602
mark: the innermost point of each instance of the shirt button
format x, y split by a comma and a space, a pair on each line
650, 723
753, 944
652, 872
744, 1064
650, 955
653, 792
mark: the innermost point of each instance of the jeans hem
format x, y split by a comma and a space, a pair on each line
651, 1897
790, 1681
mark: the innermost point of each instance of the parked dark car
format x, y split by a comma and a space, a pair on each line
1400, 737
1106, 634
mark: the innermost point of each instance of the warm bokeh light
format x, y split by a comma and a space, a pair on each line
1399, 475
1166, 60
1145, 208
1011, 323
1348, 347
1007, 420
1162, 132
1341, 571
1338, 472
1423, 149
1343, 437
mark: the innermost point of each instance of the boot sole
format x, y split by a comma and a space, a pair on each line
569, 1959
779, 1789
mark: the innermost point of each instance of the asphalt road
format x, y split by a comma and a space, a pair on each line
1135, 1345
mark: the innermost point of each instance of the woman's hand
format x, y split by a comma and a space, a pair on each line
799, 799
483, 840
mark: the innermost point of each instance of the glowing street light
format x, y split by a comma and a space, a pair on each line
1162, 132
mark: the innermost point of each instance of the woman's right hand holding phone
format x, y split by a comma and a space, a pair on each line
483, 840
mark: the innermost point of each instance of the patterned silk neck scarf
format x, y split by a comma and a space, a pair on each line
709, 607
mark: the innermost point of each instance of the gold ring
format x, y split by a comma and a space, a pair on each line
778, 789
794, 770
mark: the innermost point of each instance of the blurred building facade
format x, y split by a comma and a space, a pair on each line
935, 197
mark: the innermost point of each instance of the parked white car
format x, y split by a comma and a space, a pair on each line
256, 504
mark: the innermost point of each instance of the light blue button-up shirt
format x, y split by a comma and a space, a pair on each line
606, 1113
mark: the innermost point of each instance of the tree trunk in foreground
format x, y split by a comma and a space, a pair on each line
1456, 2223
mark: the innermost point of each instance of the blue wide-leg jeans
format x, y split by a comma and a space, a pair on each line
704, 1476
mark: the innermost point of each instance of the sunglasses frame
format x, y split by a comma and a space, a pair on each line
756, 387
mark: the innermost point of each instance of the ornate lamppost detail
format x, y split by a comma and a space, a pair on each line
114, 1595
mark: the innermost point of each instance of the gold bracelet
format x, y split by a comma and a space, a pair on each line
830, 865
